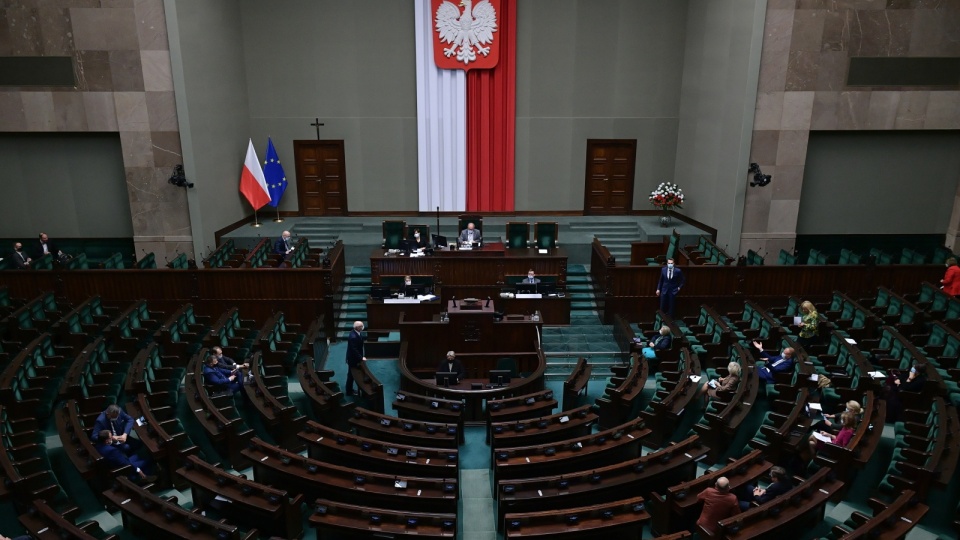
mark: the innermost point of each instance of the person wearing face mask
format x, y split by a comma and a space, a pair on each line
951, 279
914, 381
671, 280
531, 277
417, 241
283, 246
230, 363
782, 363
21, 259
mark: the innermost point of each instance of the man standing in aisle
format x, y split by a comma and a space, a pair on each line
354, 353
671, 280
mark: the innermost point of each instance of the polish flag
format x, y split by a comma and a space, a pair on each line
252, 183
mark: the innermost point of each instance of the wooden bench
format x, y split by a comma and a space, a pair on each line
508, 409
595, 450
75, 434
268, 395
151, 516
546, 429
789, 428
621, 401
575, 386
369, 522
314, 478
429, 409
890, 520
217, 414
327, 401
717, 429
379, 426
163, 436
43, 522
340, 447
664, 412
866, 439
623, 519
371, 390
679, 506
250, 503
654, 471
798, 509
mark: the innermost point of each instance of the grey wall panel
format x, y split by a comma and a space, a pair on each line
597, 69
879, 182
69, 185
720, 70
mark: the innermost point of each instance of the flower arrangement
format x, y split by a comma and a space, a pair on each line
667, 196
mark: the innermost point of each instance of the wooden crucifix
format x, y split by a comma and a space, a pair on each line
317, 125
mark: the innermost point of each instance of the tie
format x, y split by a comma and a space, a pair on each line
669, 274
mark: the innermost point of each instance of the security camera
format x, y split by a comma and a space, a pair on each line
179, 179
760, 179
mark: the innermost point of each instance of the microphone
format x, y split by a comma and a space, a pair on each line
454, 300
488, 302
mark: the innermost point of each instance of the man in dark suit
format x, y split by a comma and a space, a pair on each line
781, 363
221, 378
20, 258
470, 234
119, 424
671, 280
450, 364
531, 277
354, 353
44, 246
283, 246
113, 453
780, 484
230, 363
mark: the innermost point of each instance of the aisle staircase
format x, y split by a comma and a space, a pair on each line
351, 305
615, 235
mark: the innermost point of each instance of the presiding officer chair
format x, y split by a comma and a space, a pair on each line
518, 234
393, 232
546, 233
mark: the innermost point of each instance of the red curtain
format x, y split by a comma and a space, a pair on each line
491, 123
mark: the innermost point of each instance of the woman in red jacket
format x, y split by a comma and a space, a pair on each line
951, 280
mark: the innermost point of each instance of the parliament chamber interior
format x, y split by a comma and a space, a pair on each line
497, 269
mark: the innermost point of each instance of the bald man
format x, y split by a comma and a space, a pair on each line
781, 363
283, 246
718, 505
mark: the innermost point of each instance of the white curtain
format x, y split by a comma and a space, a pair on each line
441, 124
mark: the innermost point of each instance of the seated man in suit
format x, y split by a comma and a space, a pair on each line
779, 484
230, 363
143, 468
451, 365
782, 363
119, 424
531, 277
20, 258
470, 235
283, 246
221, 378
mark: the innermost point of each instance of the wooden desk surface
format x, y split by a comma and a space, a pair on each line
488, 266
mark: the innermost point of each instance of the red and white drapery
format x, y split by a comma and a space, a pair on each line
466, 127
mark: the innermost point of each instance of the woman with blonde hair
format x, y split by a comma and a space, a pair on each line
709, 390
809, 325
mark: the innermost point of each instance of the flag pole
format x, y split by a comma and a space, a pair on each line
279, 219
255, 222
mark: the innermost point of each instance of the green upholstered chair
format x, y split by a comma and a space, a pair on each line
179, 263
393, 233
148, 261
518, 234
43, 263
546, 233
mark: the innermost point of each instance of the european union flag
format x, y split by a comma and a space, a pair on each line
273, 174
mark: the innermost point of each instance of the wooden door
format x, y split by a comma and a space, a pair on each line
321, 178
609, 181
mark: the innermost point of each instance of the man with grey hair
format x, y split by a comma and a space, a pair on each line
119, 424
450, 364
354, 353
718, 505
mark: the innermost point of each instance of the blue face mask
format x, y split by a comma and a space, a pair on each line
670, 265
913, 370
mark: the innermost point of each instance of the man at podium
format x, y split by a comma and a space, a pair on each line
451, 365
531, 277
470, 235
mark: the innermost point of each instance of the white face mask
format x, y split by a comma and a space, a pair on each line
670, 266
407, 282
416, 235
530, 276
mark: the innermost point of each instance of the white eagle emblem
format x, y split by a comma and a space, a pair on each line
474, 28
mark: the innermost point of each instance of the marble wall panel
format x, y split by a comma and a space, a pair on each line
769, 111
763, 149
824, 114
101, 111
853, 109
162, 111
101, 29
912, 110
131, 111
69, 111
126, 71
23, 26
137, 149
151, 25
12, 116
92, 71
882, 113
797, 110
166, 149
56, 36
156, 71
792, 147
807, 32
38, 111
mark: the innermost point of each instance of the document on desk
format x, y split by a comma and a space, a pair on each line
821, 437
401, 300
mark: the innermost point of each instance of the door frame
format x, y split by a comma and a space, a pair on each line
586, 174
